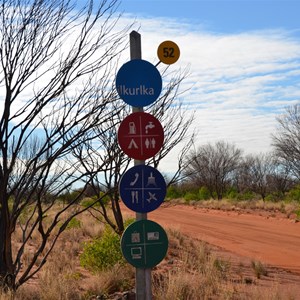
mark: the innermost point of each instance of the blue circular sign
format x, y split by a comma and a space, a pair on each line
138, 83
142, 188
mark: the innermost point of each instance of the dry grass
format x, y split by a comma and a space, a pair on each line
269, 208
191, 270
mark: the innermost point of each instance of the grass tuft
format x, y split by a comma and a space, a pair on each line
259, 269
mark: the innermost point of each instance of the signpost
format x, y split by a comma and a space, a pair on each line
144, 244
138, 83
140, 135
142, 189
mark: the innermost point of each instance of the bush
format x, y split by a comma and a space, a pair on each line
25, 214
190, 196
297, 212
87, 202
105, 199
232, 193
70, 197
102, 253
246, 196
74, 223
128, 222
275, 197
173, 192
203, 193
294, 194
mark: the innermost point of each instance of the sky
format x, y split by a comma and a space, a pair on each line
243, 59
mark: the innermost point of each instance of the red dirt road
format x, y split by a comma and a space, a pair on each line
270, 240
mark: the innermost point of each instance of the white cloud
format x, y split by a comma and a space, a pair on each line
240, 83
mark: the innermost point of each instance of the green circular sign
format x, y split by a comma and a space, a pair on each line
144, 244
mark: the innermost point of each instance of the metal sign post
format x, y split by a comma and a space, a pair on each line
142, 276
142, 188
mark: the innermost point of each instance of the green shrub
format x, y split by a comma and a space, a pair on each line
297, 212
128, 222
74, 223
95, 200
270, 198
25, 214
246, 196
87, 202
173, 192
232, 193
102, 253
70, 197
11, 201
203, 193
190, 196
105, 199
294, 194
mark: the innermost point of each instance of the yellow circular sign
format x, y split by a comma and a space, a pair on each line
168, 52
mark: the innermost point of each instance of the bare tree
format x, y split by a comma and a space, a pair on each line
213, 166
286, 141
56, 66
104, 161
280, 181
260, 170
263, 174
177, 121
242, 176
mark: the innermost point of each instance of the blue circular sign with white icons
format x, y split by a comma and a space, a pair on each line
138, 83
142, 188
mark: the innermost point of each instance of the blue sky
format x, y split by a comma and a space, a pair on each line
243, 58
222, 16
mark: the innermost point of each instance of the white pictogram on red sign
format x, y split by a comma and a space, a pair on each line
140, 135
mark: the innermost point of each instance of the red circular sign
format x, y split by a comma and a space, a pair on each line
140, 135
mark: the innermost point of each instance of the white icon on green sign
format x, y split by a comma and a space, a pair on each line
136, 253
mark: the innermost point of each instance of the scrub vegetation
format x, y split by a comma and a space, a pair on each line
58, 130
87, 263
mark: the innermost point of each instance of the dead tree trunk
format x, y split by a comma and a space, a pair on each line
7, 272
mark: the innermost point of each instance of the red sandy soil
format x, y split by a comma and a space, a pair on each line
270, 240
241, 237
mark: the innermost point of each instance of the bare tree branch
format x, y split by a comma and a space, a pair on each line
56, 66
286, 140
213, 166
